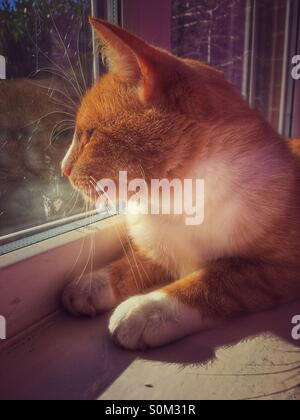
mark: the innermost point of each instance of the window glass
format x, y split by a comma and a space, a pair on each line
48, 52
244, 38
212, 31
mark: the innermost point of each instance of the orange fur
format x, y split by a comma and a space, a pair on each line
295, 146
161, 116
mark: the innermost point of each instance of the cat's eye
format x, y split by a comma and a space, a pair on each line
90, 132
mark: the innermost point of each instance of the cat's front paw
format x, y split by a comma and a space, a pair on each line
152, 320
91, 295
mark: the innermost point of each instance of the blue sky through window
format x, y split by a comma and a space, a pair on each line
11, 2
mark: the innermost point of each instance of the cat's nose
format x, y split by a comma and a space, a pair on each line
66, 168
68, 162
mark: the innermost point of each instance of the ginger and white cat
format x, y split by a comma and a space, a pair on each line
178, 118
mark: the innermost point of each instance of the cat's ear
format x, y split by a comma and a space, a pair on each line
133, 59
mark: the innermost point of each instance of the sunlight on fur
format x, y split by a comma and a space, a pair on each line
157, 116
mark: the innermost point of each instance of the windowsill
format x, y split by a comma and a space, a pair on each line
32, 278
73, 358
62, 235
23, 239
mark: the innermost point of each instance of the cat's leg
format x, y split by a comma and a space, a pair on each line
199, 301
103, 290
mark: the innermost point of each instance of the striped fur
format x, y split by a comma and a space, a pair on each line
172, 118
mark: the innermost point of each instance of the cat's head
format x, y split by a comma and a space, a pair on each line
142, 116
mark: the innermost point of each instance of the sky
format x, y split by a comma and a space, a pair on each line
10, 1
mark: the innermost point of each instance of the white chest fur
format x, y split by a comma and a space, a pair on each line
182, 249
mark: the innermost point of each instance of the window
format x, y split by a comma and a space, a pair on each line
214, 32
48, 61
252, 41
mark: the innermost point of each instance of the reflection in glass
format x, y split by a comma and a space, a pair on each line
49, 62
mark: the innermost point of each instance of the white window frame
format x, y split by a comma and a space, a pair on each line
289, 125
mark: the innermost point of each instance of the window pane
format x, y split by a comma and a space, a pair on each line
212, 31
270, 18
244, 38
47, 46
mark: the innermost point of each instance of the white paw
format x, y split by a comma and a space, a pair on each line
90, 295
153, 320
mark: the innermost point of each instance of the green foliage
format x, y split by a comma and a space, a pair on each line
32, 32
